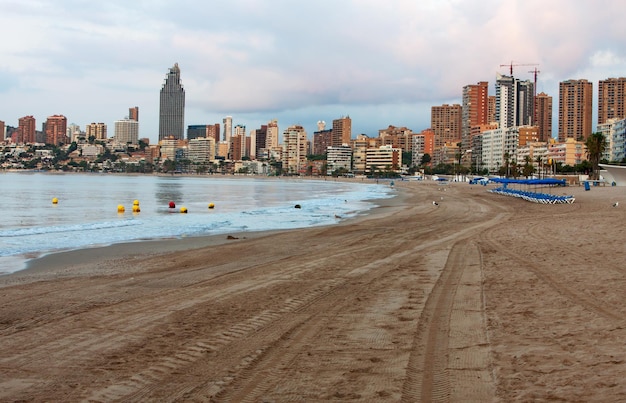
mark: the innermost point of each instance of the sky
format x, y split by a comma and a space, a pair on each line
380, 62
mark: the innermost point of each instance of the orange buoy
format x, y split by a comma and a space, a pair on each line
211, 205
183, 210
55, 200
120, 208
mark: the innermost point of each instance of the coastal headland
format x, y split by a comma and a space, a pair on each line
479, 297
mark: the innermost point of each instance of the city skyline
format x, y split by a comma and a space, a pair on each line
382, 65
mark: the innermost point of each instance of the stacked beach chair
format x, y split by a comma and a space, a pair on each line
535, 197
542, 198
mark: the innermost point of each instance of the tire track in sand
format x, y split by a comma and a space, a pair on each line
449, 360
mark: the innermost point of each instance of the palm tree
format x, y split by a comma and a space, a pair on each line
596, 145
539, 162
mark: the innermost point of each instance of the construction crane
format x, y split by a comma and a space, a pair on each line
517, 64
535, 72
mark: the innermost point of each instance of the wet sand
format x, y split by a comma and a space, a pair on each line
481, 298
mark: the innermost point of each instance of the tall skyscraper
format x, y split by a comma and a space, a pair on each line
172, 106
575, 109
26, 129
475, 110
133, 113
56, 130
228, 128
2, 130
515, 102
543, 114
445, 121
611, 98
342, 131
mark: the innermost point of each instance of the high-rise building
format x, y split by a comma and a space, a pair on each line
56, 130
322, 139
201, 149
260, 142
515, 102
133, 113
614, 131
238, 143
575, 109
295, 146
445, 121
26, 130
197, 131
172, 106
73, 132
228, 128
423, 143
342, 131
2, 130
491, 114
127, 131
272, 134
543, 115
475, 110
214, 132
96, 130
611, 99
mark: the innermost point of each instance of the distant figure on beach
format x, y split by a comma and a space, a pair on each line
435, 203
615, 204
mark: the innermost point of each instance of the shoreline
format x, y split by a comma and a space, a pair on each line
480, 297
70, 262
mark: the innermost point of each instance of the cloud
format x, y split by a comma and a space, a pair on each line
259, 59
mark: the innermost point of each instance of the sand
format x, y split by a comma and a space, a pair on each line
481, 298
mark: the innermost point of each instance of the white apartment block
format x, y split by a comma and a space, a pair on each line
338, 158
127, 131
201, 150
496, 144
614, 131
383, 158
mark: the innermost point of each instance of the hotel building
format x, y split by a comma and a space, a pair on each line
56, 130
26, 130
446, 122
543, 116
295, 145
611, 98
127, 131
342, 131
97, 130
475, 110
575, 109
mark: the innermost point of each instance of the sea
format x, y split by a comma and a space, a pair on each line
94, 210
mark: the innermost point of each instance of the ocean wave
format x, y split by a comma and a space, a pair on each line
19, 232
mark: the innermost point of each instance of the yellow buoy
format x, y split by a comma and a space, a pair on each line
136, 203
55, 200
136, 208
211, 205
183, 210
120, 208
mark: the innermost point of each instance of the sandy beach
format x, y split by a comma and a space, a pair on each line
480, 298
